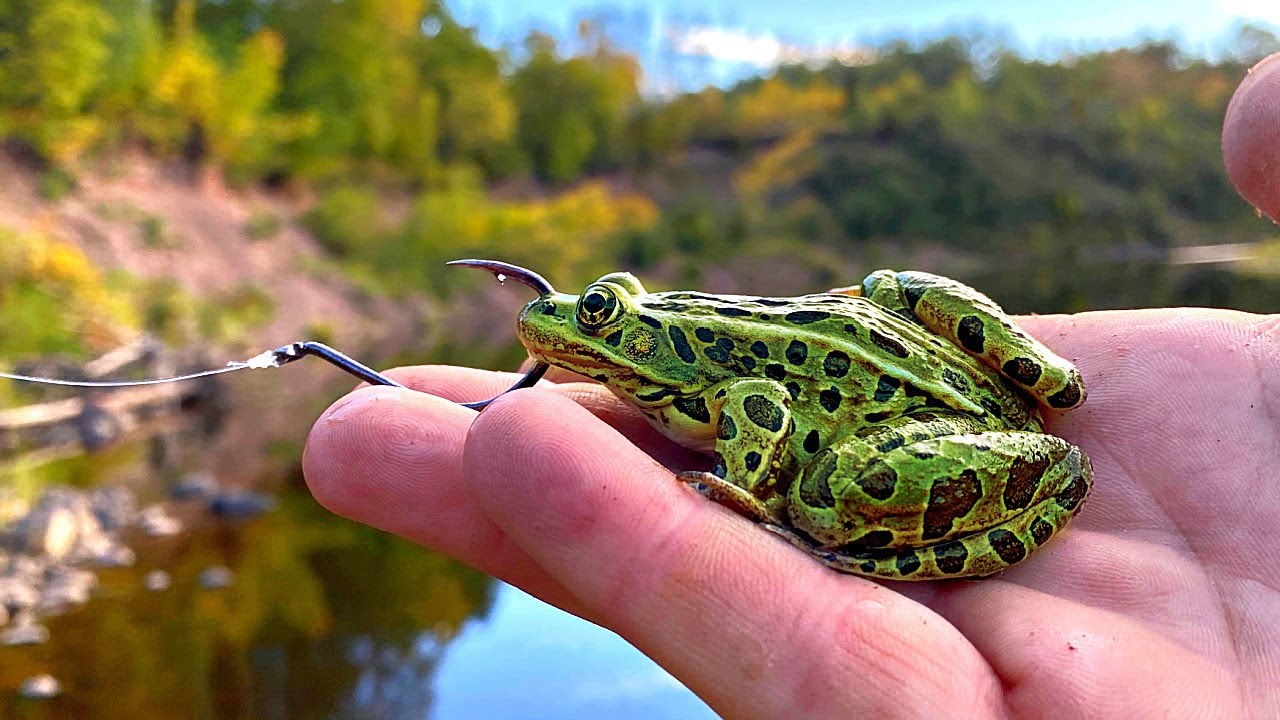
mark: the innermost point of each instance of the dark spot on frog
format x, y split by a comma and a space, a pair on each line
655, 395
851, 329
971, 334
600, 377
815, 490
829, 399
877, 417
1072, 494
797, 352
772, 302
836, 364
763, 412
950, 557
704, 335
907, 562
752, 460
748, 362
720, 351
955, 380
549, 308
774, 371
1024, 477
1007, 545
793, 388
867, 566
867, 541
923, 455
1041, 531
760, 350
650, 321
1023, 370
720, 393
614, 340
913, 293
878, 481
888, 344
731, 311
681, 344
886, 387
893, 442
727, 428
1067, 397
804, 317
992, 407
949, 500
811, 442
695, 408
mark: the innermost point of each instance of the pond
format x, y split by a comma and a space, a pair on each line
330, 619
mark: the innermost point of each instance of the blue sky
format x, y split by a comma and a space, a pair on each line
727, 39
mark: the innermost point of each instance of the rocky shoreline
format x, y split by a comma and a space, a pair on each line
51, 548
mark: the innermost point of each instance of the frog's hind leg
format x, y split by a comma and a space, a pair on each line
946, 507
975, 323
972, 556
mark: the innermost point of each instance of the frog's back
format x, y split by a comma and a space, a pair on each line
861, 362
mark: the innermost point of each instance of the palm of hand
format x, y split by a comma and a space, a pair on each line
1160, 597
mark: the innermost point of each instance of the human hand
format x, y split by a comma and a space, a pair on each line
1160, 596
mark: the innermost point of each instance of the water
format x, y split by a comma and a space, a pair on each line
330, 619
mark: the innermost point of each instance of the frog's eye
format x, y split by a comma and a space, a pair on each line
597, 307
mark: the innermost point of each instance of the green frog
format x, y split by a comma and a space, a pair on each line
891, 430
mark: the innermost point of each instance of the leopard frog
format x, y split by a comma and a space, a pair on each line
891, 429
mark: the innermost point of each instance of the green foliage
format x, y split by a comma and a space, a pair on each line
346, 221
263, 224
56, 183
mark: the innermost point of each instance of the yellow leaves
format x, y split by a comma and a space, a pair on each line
780, 166
778, 106
906, 98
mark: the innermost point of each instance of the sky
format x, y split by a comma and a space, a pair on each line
723, 40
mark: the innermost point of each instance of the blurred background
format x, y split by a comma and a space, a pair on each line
187, 182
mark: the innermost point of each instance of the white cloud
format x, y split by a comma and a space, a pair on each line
765, 50
1268, 10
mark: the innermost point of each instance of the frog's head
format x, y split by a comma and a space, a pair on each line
604, 334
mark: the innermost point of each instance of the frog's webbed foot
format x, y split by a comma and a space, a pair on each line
713, 487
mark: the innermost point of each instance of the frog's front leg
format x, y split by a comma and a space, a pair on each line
975, 323
952, 506
754, 422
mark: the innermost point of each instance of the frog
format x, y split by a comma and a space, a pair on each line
892, 429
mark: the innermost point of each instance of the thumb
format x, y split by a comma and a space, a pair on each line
1251, 137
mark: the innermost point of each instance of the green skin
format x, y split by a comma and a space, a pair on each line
890, 430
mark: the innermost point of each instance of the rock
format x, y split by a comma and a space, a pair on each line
24, 631
12, 506
18, 592
53, 534
157, 522
216, 577
40, 687
157, 581
65, 587
241, 504
61, 523
193, 486
114, 507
